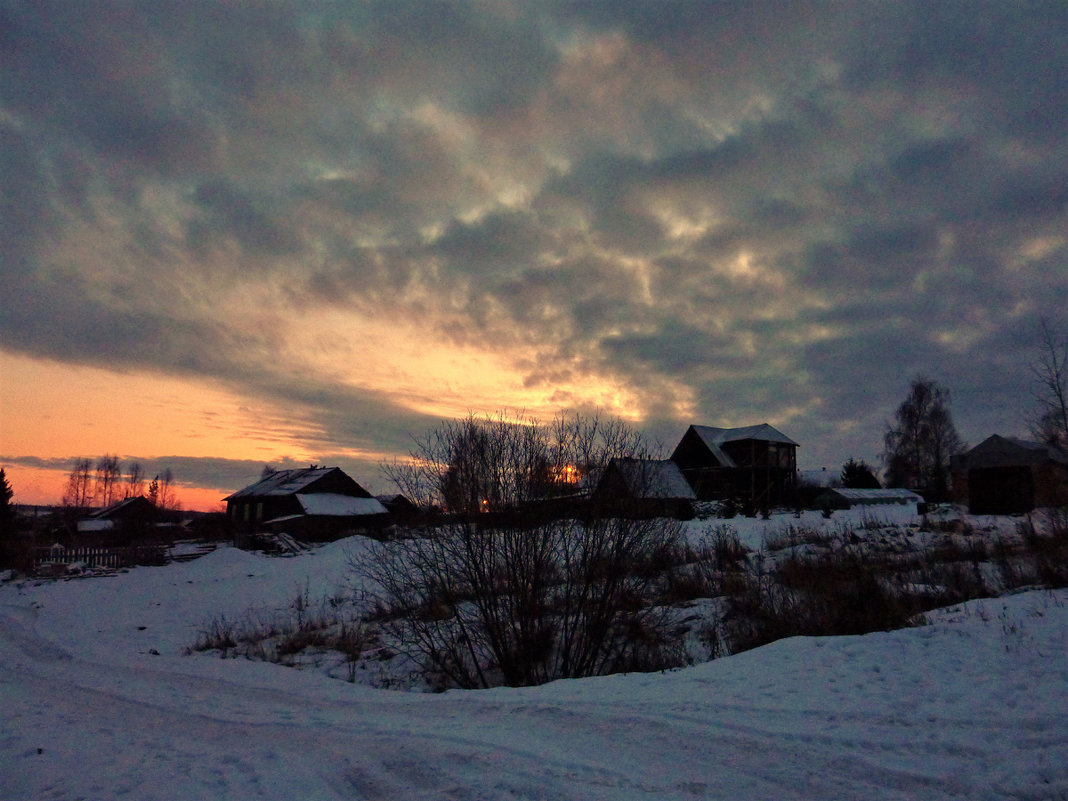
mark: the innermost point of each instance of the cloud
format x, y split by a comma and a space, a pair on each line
737, 212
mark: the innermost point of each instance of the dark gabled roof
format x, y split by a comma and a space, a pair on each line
283, 482
714, 438
396, 502
999, 451
649, 479
135, 504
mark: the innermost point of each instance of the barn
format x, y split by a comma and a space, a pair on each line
644, 488
312, 503
133, 516
1006, 475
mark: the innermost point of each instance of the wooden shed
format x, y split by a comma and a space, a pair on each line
643, 488
1006, 475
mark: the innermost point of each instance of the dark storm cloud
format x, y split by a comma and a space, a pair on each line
97, 74
781, 212
227, 211
1011, 57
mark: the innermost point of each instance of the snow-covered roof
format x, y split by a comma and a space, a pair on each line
283, 482
714, 438
870, 496
654, 478
95, 524
328, 504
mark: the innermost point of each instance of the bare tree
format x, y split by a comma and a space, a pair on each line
919, 446
135, 480
1049, 420
497, 462
78, 494
515, 597
167, 499
161, 491
108, 475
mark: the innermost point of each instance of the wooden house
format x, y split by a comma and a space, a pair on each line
1006, 475
643, 488
133, 516
756, 465
313, 503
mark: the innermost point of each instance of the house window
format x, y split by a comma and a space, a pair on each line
259, 510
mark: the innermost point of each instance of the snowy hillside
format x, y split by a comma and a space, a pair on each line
99, 701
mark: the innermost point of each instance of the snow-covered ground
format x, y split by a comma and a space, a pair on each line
99, 701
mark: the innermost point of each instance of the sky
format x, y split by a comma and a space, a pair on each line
237, 234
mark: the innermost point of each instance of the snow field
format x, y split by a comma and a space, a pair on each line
98, 701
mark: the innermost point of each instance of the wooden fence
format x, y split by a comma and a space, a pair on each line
98, 556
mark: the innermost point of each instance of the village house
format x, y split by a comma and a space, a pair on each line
312, 503
644, 488
756, 465
135, 514
1006, 475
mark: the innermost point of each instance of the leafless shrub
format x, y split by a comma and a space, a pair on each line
818, 593
689, 581
1050, 547
295, 642
791, 536
509, 590
219, 636
727, 549
282, 635
959, 549
524, 605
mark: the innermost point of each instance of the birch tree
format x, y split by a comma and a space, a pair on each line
1049, 418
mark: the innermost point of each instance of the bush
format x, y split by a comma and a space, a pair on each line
526, 605
1050, 548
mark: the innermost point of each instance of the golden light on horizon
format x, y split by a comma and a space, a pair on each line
412, 364
59, 410
55, 411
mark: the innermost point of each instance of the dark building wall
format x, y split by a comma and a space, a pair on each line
692, 453
254, 510
766, 472
1001, 490
1005, 476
